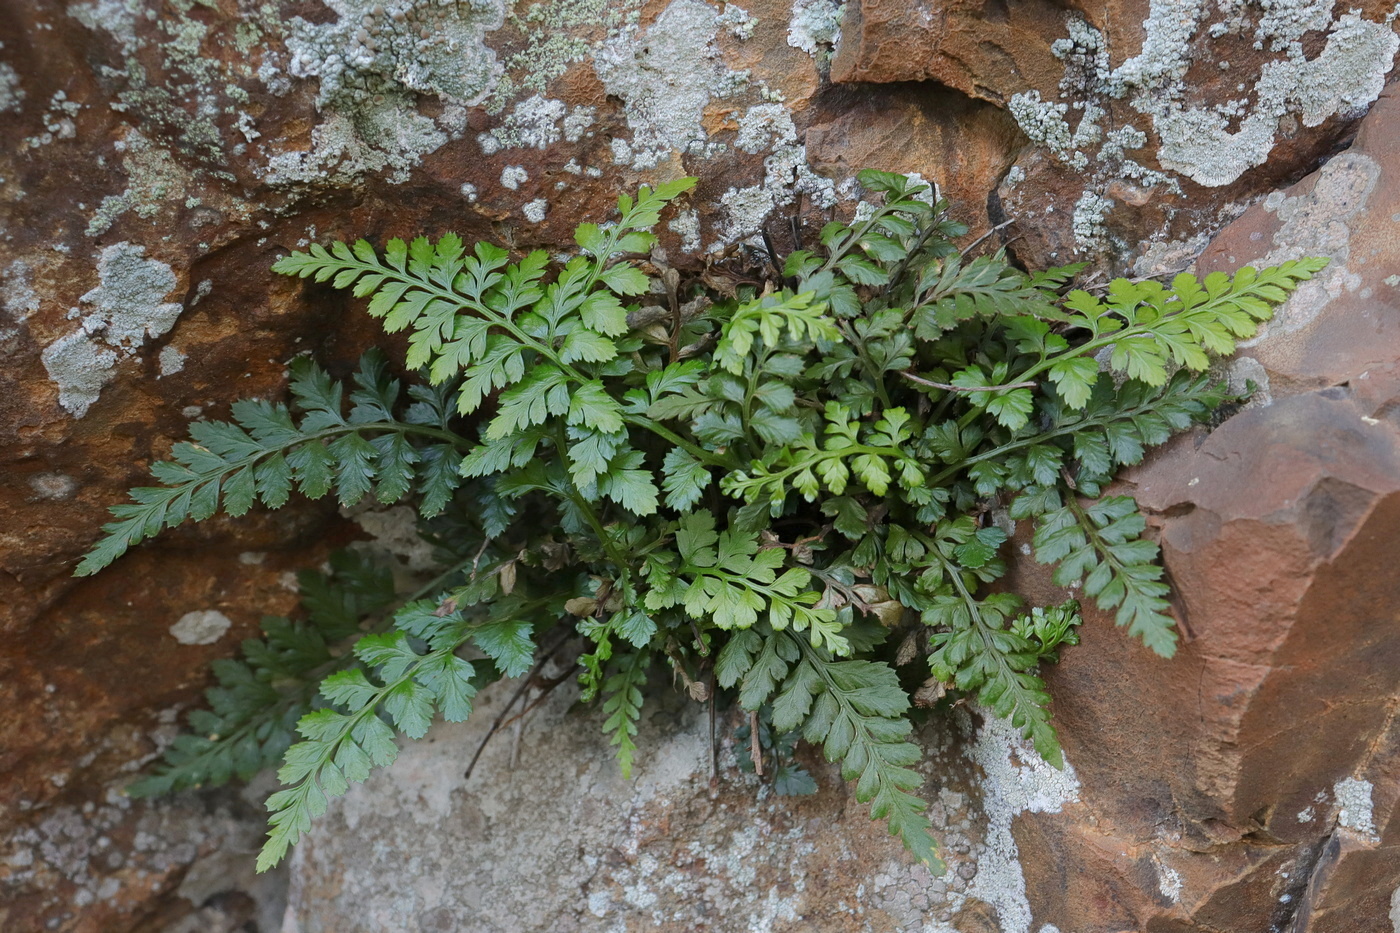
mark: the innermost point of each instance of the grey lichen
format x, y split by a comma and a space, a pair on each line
171, 360
1088, 223
371, 63
154, 176
11, 94
17, 294
1211, 144
558, 33
57, 118
1343, 79
1016, 780
80, 368
1356, 809
128, 307
532, 124
787, 175
374, 48
815, 27
201, 627
1318, 223
537, 123
665, 79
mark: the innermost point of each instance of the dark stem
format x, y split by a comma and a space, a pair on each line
525, 684
755, 746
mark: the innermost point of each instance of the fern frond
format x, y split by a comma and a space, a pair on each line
855, 710
255, 706
623, 706
765, 477
400, 683
949, 292
266, 451
1149, 326
1101, 545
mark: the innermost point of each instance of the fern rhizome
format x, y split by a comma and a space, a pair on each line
755, 491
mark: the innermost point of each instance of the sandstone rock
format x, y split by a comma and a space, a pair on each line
986, 49
1259, 782
159, 157
1166, 119
547, 836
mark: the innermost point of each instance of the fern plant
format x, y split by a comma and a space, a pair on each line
758, 489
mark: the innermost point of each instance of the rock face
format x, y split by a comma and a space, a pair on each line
157, 157
547, 836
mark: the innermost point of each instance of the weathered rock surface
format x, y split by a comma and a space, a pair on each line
547, 836
1266, 793
157, 157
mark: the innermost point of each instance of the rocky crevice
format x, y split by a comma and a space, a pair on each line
156, 164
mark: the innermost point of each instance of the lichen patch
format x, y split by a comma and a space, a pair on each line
665, 78
201, 627
1211, 144
127, 308
1355, 808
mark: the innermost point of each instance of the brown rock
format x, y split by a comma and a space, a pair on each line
158, 158
987, 49
963, 145
1268, 743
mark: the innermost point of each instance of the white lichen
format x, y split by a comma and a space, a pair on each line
171, 361
787, 175
815, 26
57, 118
53, 485
80, 368
1318, 222
532, 124
1017, 780
117, 17
11, 94
763, 126
128, 302
665, 79
1088, 225
1344, 79
128, 307
372, 62
1168, 881
1212, 144
578, 123
557, 34
513, 176
201, 627
1355, 808
17, 295
536, 210
687, 224
154, 177
739, 21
